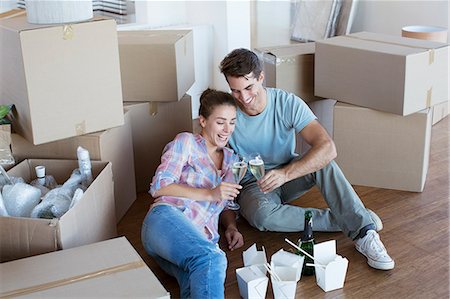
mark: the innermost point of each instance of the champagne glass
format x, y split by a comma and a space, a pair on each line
256, 165
239, 169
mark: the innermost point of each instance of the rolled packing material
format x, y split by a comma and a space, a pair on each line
433, 33
52, 12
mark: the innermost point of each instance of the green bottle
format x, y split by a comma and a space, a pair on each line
307, 244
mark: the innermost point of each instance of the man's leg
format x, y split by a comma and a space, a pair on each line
268, 212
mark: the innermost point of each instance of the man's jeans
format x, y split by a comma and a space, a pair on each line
184, 252
271, 212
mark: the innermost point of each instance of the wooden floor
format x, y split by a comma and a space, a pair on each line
416, 233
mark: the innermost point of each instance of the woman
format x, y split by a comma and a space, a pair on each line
191, 188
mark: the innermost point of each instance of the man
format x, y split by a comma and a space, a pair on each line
268, 120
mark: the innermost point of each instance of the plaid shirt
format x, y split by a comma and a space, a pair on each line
185, 161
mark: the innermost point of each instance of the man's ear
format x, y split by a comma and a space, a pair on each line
261, 76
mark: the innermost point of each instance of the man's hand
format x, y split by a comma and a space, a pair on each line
272, 180
234, 238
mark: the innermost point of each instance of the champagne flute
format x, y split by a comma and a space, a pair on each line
239, 169
256, 165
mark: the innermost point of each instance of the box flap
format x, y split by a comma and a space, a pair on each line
20, 23
151, 37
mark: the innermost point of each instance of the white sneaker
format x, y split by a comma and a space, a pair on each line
373, 249
376, 220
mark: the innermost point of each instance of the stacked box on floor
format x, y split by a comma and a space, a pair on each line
61, 77
388, 73
375, 148
114, 145
154, 124
291, 68
108, 269
156, 65
91, 220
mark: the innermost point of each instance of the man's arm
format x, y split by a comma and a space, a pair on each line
322, 151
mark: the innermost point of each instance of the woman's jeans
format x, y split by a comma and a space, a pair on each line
184, 252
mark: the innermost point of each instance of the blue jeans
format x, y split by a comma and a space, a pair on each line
272, 212
184, 252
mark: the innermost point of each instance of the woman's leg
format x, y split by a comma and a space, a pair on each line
184, 252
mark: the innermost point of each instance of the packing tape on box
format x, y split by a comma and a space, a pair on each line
152, 108
67, 32
430, 50
73, 279
80, 129
429, 93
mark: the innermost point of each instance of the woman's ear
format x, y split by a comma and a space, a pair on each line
202, 121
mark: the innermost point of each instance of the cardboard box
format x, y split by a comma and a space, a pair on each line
108, 269
388, 73
91, 220
330, 267
156, 65
291, 68
154, 125
113, 145
383, 150
60, 77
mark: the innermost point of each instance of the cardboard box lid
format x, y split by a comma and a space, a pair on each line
382, 43
151, 37
289, 50
20, 23
110, 268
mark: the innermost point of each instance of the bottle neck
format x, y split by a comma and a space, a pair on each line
308, 232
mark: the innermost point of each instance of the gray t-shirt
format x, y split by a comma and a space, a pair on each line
272, 132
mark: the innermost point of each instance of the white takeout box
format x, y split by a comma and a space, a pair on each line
287, 287
253, 257
252, 282
288, 259
331, 276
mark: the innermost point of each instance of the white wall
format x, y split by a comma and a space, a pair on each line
271, 19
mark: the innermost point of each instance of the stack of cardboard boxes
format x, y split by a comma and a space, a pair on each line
68, 84
387, 88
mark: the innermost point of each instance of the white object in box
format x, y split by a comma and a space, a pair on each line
108, 269
63, 79
6, 157
283, 258
91, 220
388, 73
252, 282
253, 256
156, 65
382, 150
291, 68
153, 125
114, 145
331, 275
51, 12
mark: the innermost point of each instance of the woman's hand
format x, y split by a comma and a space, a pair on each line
234, 238
225, 191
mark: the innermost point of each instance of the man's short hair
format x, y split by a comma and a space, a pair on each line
241, 62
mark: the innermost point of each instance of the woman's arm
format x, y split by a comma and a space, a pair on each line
232, 234
224, 191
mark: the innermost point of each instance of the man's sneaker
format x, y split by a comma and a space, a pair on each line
373, 249
376, 220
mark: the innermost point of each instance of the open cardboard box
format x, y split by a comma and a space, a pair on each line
91, 220
331, 275
283, 258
